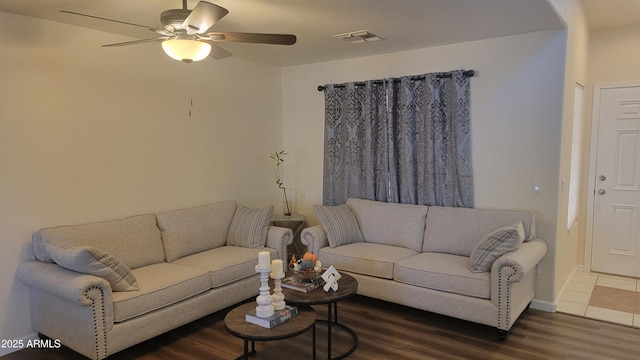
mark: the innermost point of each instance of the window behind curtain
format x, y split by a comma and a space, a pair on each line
401, 140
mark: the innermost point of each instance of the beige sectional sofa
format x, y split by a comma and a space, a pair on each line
472, 264
102, 287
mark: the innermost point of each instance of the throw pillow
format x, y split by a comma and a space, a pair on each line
339, 223
89, 260
249, 227
494, 245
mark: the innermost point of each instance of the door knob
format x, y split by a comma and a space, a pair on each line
603, 178
601, 192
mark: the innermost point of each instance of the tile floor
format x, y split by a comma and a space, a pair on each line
617, 298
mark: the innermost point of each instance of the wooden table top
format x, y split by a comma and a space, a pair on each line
236, 324
347, 287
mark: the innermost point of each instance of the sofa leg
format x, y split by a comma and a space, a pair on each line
502, 334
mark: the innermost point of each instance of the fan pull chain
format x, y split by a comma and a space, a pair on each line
189, 90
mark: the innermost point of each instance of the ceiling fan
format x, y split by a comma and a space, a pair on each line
185, 34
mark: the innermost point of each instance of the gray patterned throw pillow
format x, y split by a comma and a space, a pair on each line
89, 260
494, 245
249, 227
339, 223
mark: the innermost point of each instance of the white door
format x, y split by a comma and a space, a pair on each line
616, 213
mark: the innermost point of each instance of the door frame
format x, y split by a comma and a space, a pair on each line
593, 152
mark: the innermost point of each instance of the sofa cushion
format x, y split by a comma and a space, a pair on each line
339, 223
89, 260
160, 285
390, 224
188, 231
494, 245
365, 258
457, 230
249, 227
444, 272
227, 264
134, 241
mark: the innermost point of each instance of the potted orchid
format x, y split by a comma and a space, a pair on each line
278, 157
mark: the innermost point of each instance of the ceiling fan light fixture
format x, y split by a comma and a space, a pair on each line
186, 50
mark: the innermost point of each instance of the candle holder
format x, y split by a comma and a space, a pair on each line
264, 300
278, 296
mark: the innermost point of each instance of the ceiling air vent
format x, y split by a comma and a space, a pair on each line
358, 37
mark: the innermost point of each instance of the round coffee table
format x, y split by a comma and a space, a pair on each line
347, 287
236, 324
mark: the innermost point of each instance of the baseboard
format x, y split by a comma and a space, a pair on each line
17, 344
543, 305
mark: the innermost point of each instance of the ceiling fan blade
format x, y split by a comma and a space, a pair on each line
112, 20
203, 16
217, 52
136, 42
278, 39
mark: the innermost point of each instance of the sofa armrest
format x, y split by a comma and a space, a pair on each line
60, 296
315, 238
523, 260
66, 284
513, 282
279, 238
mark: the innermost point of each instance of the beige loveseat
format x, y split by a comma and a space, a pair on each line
152, 273
430, 258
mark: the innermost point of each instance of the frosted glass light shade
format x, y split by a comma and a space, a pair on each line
186, 50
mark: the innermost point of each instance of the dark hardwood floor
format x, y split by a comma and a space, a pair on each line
389, 331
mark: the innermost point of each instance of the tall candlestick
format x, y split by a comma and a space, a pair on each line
263, 259
264, 300
276, 266
277, 274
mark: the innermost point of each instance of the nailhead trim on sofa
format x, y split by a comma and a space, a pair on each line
98, 331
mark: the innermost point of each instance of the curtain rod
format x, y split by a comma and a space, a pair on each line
467, 73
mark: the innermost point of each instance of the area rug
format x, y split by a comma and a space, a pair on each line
615, 299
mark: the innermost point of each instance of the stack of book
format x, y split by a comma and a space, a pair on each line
278, 317
293, 283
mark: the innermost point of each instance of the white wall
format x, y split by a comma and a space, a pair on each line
516, 117
90, 133
569, 253
562, 8
614, 54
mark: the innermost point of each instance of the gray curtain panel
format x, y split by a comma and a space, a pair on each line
404, 140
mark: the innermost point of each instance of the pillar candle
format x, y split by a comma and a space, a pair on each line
276, 267
263, 259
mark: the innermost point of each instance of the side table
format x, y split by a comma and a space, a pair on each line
237, 326
347, 287
296, 224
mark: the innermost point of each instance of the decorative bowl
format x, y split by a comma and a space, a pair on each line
306, 275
